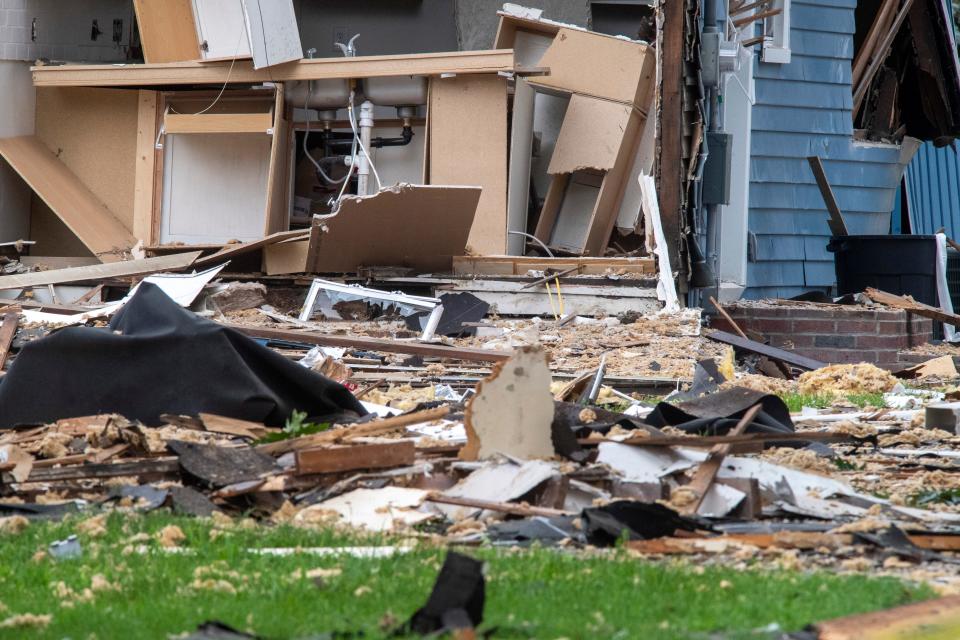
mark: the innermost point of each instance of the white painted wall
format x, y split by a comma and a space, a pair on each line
17, 107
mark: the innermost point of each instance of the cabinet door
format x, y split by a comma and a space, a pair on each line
221, 28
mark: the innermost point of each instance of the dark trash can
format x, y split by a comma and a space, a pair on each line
902, 265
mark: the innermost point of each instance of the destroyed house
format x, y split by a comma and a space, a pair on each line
858, 84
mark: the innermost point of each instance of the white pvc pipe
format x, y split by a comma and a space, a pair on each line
366, 127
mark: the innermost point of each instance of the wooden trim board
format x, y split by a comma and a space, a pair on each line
238, 249
519, 265
260, 123
217, 73
130, 268
83, 213
277, 216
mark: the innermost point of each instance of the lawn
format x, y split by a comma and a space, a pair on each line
138, 590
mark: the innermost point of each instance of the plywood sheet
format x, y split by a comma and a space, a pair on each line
285, 257
590, 136
167, 30
468, 146
146, 163
410, 226
79, 208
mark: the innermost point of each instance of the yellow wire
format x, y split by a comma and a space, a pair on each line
553, 309
559, 296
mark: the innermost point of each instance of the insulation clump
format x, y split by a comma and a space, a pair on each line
845, 379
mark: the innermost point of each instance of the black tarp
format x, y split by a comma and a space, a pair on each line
156, 358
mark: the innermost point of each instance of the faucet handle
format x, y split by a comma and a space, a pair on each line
349, 50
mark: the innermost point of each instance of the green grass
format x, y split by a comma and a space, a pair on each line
538, 593
797, 401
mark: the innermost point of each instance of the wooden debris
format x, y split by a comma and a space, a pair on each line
707, 471
510, 508
366, 456
909, 304
771, 352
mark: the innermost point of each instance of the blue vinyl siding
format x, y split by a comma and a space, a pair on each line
933, 190
802, 109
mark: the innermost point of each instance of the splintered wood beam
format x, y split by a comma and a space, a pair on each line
878, 57
129, 268
909, 304
880, 21
7, 332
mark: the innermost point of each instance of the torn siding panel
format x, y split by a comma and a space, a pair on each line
789, 125
933, 190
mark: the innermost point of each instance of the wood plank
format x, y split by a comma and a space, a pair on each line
836, 223
131, 268
471, 112
375, 344
233, 426
670, 126
7, 332
520, 265
146, 164
931, 620
238, 249
771, 352
881, 23
386, 455
83, 213
167, 30
492, 61
909, 304
277, 216
143, 467
878, 58
746, 438
218, 123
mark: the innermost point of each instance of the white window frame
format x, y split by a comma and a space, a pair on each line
776, 31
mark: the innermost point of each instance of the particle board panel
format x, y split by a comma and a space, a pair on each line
590, 136
167, 30
94, 133
468, 146
75, 204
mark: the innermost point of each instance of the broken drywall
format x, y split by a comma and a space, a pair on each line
512, 410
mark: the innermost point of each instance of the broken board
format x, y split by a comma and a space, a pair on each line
85, 214
144, 267
415, 226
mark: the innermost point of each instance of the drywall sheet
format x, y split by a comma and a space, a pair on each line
214, 187
409, 225
576, 212
83, 213
591, 135
167, 30
468, 146
272, 29
521, 146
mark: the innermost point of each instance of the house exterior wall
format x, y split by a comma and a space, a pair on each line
803, 108
933, 190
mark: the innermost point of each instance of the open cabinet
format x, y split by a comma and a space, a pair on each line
221, 171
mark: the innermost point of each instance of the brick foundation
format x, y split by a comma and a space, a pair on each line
833, 333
